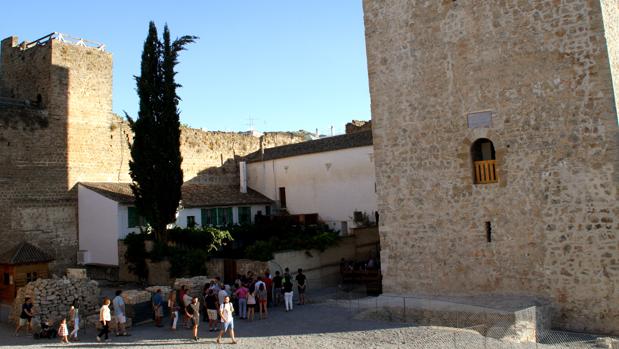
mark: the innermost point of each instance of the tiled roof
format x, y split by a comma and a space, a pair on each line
194, 195
352, 140
24, 253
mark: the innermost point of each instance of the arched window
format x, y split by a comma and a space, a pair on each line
484, 162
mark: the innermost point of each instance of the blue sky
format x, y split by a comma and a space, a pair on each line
287, 64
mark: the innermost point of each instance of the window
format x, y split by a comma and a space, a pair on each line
134, 219
267, 209
484, 162
224, 216
209, 216
282, 197
31, 276
191, 221
7, 279
245, 215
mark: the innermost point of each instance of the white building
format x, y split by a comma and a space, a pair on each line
333, 177
106, 214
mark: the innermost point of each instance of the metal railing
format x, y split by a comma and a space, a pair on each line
45, 40
485, 172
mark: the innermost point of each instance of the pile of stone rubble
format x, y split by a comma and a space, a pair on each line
52, 298
194, 285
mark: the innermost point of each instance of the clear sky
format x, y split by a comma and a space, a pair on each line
287, 64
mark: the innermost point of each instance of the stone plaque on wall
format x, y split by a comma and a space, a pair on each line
480, 119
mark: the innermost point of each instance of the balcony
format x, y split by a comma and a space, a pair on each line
485, 172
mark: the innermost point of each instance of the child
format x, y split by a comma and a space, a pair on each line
251, 305
262, 300
63, 331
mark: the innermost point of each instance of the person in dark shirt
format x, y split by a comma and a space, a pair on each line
25, 318
288, 294
301, 285
211, 310
277, 288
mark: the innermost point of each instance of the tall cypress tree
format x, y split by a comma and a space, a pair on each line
155, 164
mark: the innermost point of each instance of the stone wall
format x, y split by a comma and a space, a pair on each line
72, 136
542, 71
52, 298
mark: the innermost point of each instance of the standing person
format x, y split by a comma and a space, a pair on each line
241, 293
268, 281
25, 317
288, 292
251, 305
74, 318
173, 307
193, 311
301, 286
277, 288
104, 318
211, 309
225, 311
221, 295
186, 301
158, 308
262, 301
119, 310
63, 331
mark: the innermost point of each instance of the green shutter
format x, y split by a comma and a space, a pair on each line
244, 215
133, 217
229, 216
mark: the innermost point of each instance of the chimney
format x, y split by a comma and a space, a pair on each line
243, 176
261, 147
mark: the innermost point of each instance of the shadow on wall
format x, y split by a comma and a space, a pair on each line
37, 204
226, 174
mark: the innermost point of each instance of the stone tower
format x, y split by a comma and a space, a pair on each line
56, 128
497, 150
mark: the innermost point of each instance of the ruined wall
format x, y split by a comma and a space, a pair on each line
542, 69
72, 136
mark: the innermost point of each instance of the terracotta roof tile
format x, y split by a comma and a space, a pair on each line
24, 253
194, 195
351, 140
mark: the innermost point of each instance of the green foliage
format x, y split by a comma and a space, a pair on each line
136, 255
209, 239
187, 250
155, 165
260, 241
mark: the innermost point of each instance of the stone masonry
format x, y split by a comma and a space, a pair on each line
549, 227
57, 128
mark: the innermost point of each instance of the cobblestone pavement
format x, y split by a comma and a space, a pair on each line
323, 325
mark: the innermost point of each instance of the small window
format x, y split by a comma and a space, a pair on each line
7, 279
245, 215
134, 220
31, 276
282, 197
267, 210
191, 221
484, 162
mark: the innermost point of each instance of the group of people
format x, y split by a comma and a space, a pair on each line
27, 313
217, 304
250, 294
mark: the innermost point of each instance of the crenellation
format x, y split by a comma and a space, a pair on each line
70, 134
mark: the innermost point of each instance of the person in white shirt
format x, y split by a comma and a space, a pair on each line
225, 312
105, 317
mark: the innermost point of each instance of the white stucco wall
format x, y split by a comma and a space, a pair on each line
333, 184
98, 226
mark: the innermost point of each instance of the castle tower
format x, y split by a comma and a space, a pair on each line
497, 150
56, 128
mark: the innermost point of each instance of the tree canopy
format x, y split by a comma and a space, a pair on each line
155, 165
